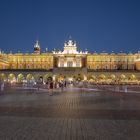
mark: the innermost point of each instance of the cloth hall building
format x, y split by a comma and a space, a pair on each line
70, 65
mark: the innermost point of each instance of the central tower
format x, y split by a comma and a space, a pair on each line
70, 56
70, 64
70, 47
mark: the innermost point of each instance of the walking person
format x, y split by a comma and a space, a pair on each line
65, 84
51, 89
62, 86
39, 82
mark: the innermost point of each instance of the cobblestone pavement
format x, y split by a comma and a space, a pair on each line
70, 115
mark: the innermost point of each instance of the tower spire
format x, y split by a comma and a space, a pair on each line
37, 47
70, 37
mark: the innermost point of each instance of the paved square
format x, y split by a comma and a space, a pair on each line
70, 115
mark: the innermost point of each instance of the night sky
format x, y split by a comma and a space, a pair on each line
98, 25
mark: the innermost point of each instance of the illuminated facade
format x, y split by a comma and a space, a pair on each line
69, 64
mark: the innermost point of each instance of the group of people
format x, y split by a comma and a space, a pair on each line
56, 85
50, 85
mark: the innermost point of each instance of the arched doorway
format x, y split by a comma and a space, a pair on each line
132, 77
20, 78
47, 78
11, 78
3, 77
101, 79
91, 78
29, 77
111, 79
38, 79
122, 79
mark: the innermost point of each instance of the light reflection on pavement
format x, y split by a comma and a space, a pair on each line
72, 114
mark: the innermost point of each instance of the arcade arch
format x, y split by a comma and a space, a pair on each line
102, 77
3, 77
132, 77
47, 78
11, 78
20, 78
112, 77
29, 77
122, 77
91, 77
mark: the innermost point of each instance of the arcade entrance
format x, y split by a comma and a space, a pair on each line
69, 78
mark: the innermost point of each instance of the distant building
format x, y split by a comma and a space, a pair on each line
69, 64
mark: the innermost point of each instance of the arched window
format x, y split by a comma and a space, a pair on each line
78, 63
20, 66
28, 66
61, 63
69, 64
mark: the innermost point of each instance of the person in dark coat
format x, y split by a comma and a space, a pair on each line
51, 88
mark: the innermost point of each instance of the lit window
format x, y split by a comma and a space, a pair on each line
69, 64
61, 63
78, 64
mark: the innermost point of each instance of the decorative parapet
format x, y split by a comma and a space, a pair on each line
70, 47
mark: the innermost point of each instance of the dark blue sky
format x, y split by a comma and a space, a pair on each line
98, 25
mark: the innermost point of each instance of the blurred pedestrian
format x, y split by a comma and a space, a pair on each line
2, 86
51, 89
65, 84
62, 86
